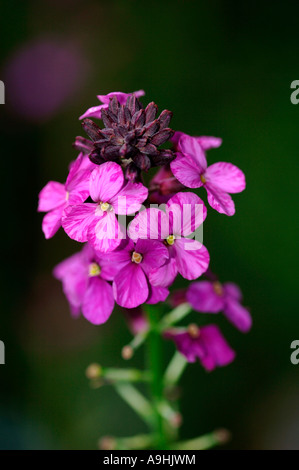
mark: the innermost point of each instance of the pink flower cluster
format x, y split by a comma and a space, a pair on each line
137, 264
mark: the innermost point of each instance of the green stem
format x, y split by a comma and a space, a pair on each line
175, 369
175, 316
136, 401
139, 339
155, 367
141, 441
125, 375
204, 442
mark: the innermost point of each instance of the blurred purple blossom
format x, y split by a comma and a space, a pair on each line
43, 76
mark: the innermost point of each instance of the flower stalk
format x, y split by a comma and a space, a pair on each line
155, 366
175, 370
207, 441
142, 407
175, 316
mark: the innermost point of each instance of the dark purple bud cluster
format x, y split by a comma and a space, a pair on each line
132, 137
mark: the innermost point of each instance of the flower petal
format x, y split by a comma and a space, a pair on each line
51, 196
117, 259
176, 137
238, 315
192, 258
129, 199
94, 111
73, 274
219, 200
81, 192
186, 345
109, 267
130, 286
157, 294
154, 254
106, 180
76, 221
217, 352
187, 212
106, 235
77, 183
190, 146
187, 171
226, 177
74, 167
71, 264
52, 222
98, 302
203, 298
208, 142
165, 275
121, 97
210, 347
232, 290
149, 224
138, 93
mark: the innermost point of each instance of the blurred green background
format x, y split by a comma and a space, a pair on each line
224, 68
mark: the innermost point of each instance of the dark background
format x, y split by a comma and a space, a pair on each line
224, 68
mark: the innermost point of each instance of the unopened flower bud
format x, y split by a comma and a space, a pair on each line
127, 352
132, 173
177, 420
223, 436
93, 371
83, 145
107, 443
163, 185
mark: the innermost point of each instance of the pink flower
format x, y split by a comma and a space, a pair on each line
96, 111
206, 344
163, 186
85, 164
220, 179
131, 286
213, 297
184, 214
96, 222
206, 142
55, 197
85, 277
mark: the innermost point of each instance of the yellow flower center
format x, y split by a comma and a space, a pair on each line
203, 180
218, 289
67, 195
136, 257
94, 270
193, 331
104, 206
170, 239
